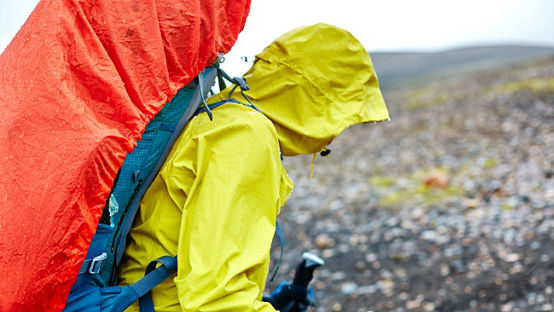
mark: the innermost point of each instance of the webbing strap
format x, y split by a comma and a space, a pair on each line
152, 277
212, 106
281, 236
209, 107
220, 79
204, 104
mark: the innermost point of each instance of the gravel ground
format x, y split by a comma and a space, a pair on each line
447, 207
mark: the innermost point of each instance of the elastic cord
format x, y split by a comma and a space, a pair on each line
313, 166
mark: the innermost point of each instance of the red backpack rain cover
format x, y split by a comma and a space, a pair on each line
78, 84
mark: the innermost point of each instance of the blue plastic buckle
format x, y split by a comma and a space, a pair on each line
96, 263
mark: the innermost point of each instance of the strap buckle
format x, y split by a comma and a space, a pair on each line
96, 263
242, 83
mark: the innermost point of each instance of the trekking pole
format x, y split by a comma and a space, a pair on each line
303, 276
305, 269
296, 296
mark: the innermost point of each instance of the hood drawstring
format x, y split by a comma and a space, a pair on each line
324, 152
313, 166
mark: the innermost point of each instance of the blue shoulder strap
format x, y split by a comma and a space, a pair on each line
206, 79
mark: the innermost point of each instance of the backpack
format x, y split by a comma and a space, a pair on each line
95, 288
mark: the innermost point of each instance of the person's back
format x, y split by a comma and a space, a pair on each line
220, 176
214, 203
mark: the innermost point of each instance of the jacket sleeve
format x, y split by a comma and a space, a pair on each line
229, 217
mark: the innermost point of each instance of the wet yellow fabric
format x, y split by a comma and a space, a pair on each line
215, 201
214, 204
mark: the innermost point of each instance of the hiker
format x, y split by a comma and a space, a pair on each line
215, 201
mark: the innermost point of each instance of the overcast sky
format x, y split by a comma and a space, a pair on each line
391, 25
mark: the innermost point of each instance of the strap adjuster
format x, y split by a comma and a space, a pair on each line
241, 82
96, 263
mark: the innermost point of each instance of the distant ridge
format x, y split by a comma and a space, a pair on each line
397, 69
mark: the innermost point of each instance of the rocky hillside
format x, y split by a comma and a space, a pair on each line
447, 207
398, 69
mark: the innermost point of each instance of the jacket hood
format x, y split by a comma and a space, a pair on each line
313, 82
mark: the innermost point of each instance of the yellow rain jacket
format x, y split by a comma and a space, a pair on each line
215, 201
